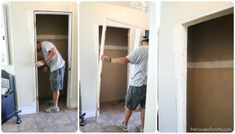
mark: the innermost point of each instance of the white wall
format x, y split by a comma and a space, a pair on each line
173, 14
93, 13
151, 95
21, 35
3, 32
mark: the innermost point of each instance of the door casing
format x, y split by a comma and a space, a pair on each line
69, 14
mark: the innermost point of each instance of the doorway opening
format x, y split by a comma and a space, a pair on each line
134, 33
210, 75
54, 27
114, 79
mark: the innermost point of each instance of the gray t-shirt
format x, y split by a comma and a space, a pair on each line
139, 59
57, 61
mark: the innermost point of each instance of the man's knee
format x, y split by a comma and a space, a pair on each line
56, 91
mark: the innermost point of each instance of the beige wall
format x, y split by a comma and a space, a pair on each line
93, 14
216, 36
210, 98
21, 36
210, 90
115, 36
174, 14
52, 24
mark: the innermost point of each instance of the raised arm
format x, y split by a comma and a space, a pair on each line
121, 60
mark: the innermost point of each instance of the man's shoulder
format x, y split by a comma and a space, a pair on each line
142, 48
47, 43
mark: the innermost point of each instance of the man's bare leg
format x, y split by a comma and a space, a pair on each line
127, 115
142, 114
56, 95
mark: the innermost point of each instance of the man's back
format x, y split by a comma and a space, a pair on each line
139, 59
57, 61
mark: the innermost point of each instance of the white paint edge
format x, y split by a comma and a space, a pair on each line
211, 64
27, 109
180, 62
100, 69
56, 37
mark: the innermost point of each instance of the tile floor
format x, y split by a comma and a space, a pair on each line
63, 121
110, 115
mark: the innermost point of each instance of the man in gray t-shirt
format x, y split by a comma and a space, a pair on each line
136, 94
56, 64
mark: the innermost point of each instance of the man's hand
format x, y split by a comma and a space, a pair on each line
40, 63
105, 58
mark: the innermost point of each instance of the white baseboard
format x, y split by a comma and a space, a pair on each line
27, 109
74, 104
89, 113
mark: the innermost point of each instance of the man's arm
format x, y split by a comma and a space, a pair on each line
52, 52
121, 60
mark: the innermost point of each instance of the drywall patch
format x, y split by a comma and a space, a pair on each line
180, 63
